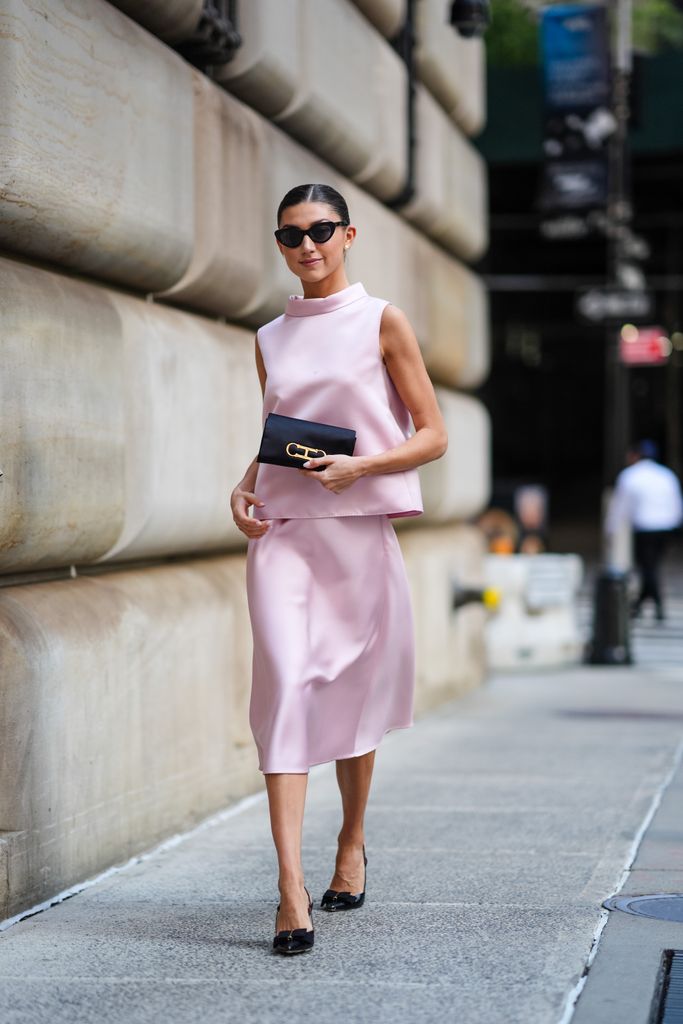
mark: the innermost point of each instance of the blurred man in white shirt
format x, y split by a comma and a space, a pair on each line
648, 496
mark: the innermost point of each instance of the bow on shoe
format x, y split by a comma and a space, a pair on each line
296, 940
333, 900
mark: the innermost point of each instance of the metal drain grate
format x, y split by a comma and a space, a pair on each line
667, 1007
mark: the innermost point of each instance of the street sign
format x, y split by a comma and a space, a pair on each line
647, 346
614, 305
569, 226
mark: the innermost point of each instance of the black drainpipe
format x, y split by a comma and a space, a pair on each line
404, 44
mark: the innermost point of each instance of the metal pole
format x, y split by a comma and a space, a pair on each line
610, 643
674, 446
619, 215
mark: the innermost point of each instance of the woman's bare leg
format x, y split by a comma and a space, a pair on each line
354, 775
286, 799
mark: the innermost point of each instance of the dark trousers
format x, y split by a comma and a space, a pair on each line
649, 550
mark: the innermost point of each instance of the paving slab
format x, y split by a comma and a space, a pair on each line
621, 986
496, 827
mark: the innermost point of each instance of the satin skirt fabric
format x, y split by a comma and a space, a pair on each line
333, 657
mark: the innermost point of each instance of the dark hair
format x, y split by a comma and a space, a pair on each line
646, 449
315, 194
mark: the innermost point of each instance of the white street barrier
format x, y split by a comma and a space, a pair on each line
536, 623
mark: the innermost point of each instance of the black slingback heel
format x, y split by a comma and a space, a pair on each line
295, 940
333, 900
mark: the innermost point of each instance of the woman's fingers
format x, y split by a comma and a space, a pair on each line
254, 534
249, 526
313, 465
253, 527
251, 498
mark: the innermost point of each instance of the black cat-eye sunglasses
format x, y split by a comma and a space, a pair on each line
321, 231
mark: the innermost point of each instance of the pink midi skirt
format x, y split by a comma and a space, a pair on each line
334, 653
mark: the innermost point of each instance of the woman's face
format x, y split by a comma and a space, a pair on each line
313, 261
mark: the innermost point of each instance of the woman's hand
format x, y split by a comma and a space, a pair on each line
341, 471
239, 503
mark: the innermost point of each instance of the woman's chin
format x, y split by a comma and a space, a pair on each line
316, 270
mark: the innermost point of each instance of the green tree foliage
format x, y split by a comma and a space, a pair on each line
512, 39
657, 25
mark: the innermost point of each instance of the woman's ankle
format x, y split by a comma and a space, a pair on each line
352, 839
290, 882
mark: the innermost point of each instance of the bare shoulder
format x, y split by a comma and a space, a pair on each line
396, 332
393, 318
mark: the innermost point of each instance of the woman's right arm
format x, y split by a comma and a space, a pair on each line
243, 495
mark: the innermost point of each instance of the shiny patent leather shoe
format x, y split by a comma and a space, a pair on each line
295, 940
333, 900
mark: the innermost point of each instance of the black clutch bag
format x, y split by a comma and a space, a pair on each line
288, 441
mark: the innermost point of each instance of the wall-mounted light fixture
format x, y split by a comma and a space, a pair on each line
216, 38
470, 17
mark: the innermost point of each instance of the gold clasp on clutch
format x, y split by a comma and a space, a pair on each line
306, 451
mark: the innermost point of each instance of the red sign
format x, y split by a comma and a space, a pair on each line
644, 346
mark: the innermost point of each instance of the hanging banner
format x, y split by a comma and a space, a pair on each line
578, 120
575, 65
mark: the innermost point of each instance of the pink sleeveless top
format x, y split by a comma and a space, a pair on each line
323, 362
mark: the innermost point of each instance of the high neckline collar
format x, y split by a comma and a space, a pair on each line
297, 305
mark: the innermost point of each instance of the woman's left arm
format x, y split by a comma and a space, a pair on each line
405, 365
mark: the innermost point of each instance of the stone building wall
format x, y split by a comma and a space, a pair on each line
137, 203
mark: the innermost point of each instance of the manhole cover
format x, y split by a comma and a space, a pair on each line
666, 906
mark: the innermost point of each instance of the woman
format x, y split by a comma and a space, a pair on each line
334, 660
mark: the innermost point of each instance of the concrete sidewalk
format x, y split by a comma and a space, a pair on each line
496, 828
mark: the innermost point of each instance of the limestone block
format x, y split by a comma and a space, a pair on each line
98, 178
392, 260
123, 694
192, 406
170, 20
62, 438
124, 424
445, 303
328, 79
265, 70
386, 15
457, 485
449, 643
450, 201
457, 349
469, 110
234, 207
386, 94
452, 68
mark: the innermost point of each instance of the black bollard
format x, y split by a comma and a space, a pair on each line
488, 596
611, 640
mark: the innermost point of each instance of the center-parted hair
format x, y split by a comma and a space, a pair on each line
315, 194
